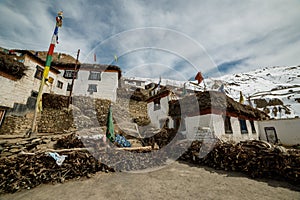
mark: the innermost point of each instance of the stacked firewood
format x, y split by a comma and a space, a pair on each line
202, 101
55, 101
84, 157
28, 171
161, 137
117, 158
255, 158
69, 141
10, 65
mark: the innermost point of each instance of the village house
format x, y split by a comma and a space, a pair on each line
20, 87
280, 131
158, 108
19, 93
94, 80
132, 82
208, 111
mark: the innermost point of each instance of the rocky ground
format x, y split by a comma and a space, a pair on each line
175, 181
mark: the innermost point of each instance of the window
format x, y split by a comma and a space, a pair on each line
95, 76
243, 126
227, 124
252, 127
92, 88
271, 135
34, 93
177, 123
68, 74
69, 87
156, 104
50, 79
2, 113
59, 84
138, 83
38, 73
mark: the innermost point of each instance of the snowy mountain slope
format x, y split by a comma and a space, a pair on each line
272, 89
276, 90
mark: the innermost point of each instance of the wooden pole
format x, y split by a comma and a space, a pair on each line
38, 106
73, 78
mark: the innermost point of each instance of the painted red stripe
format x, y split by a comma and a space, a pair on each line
51, 49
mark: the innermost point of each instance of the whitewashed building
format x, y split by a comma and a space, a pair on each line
227, 119
214, 111
282, 131
158, 109
20, 94
97, 81
132, 82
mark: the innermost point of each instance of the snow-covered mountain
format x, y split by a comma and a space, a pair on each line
276, 90
273, 89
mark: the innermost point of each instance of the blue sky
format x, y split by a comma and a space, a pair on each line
173, 39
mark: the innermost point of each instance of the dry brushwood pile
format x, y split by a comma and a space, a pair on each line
137, 95
25, 171
55, 101
162, 138
28, 171
212, 100
9, 65
257, 159
118, 159
88, 155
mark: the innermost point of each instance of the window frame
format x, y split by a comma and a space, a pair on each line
95, 76
69, 74
2, 115
271, 135
39, 72
253, 129
243, 126
59, 84
157, 105
69, 86
227, 125
92, 88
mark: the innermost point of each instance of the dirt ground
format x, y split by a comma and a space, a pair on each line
175, 181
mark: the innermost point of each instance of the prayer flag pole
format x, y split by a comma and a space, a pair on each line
54, 40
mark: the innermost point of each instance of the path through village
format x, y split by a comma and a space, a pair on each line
174, 181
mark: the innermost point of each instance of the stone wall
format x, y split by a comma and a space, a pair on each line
56, 121
84, 113
16, 125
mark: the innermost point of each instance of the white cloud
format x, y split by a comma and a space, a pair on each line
267, 33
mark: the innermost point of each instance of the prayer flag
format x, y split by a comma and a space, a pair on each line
241, 98
110, 126
199, 77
